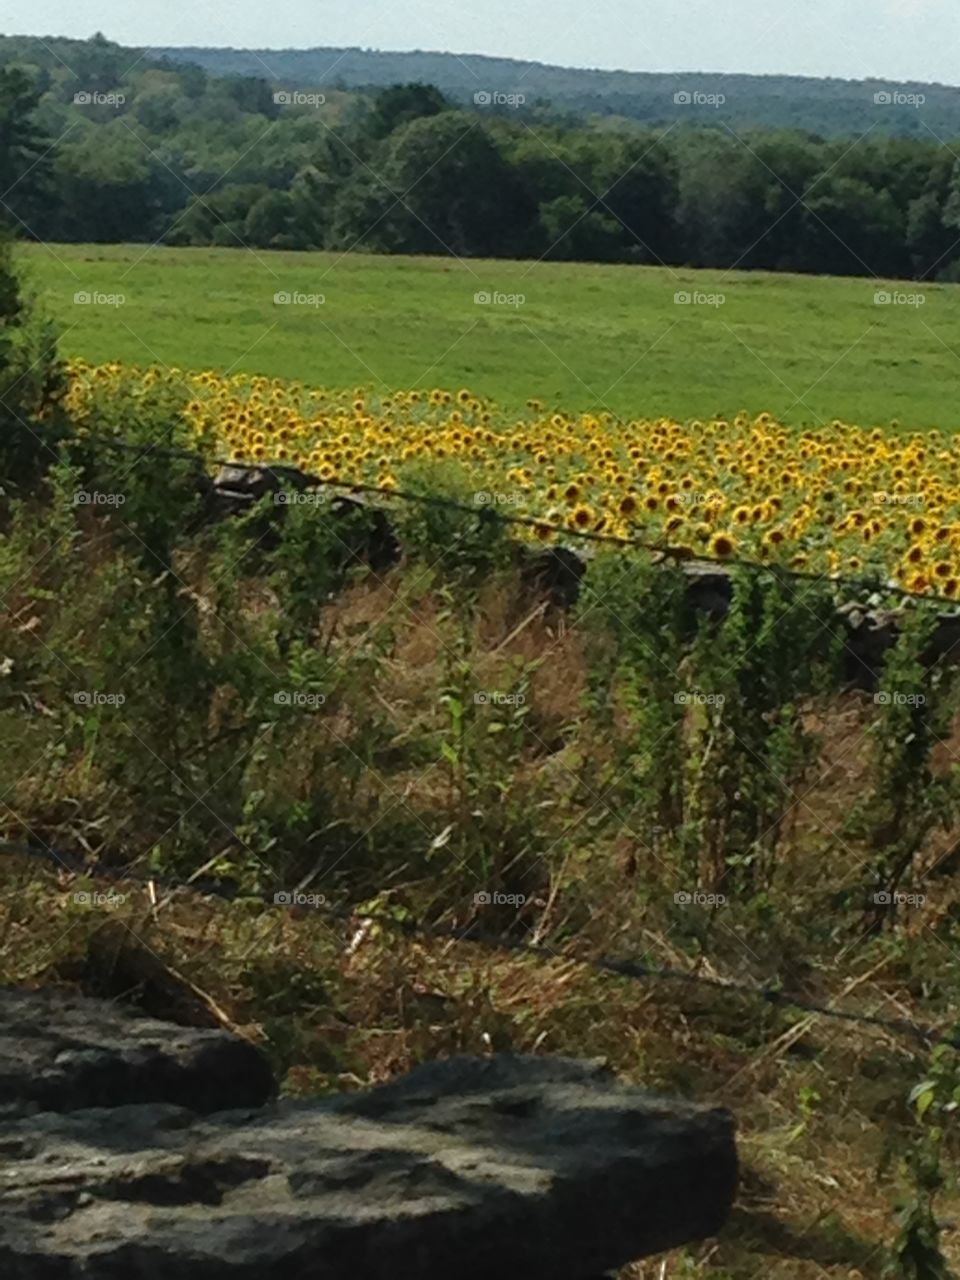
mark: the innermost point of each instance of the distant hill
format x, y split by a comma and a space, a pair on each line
828, 107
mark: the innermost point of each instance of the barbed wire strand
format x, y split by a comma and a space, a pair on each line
631, 969
542, 526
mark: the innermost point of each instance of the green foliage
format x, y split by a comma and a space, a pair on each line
401, 103
645, 610
917, 1251
25, 163
915, 706
776, 647
456, 530
440, 167
31, 381
717, 747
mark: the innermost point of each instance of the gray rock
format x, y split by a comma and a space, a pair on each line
516, 1167
253, 482
60, 1052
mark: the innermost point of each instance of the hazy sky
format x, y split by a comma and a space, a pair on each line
888, 39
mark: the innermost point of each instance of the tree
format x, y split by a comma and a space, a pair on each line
576, 228
270, 223
107, 187
443, 186
24, 164
218, 217
854, 230
402, 103
31, 381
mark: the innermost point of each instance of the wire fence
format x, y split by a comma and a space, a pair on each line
771, 994
544, 529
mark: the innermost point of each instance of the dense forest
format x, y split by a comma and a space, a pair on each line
833, 108
100, 144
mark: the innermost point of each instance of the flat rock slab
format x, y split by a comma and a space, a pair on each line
503, 1168
60, 1052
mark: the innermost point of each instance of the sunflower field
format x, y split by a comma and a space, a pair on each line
835, 499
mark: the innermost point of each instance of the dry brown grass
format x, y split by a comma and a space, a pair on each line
342, 1008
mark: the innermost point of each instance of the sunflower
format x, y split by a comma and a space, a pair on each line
723, 545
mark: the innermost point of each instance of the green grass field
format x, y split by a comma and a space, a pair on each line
585, 337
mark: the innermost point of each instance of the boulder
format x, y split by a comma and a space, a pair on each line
523, 1167
60, 1052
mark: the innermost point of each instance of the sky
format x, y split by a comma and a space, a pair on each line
854, 39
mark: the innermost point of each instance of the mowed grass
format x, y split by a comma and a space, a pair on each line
584, 337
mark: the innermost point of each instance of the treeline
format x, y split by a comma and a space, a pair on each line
831, 107
99, 151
